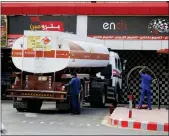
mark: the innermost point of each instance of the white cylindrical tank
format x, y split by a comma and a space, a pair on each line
46, 54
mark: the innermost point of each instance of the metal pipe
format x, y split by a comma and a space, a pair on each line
158, 88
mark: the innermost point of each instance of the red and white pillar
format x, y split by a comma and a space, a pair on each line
130, 105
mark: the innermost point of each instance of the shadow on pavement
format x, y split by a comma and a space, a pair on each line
87, 110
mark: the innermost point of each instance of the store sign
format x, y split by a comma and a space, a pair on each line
129, 28
3, 31
17, 25
121, 25
48, 26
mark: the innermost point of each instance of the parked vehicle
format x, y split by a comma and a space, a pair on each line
46, 60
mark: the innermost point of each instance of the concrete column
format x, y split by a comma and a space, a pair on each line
81, 26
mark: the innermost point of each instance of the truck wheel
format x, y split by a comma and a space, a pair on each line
38, 105
117, 93
93, 104
103, 99
100, 102
81, 98
20, 109
62, 106
34, 105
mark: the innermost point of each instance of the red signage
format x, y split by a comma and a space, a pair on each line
17, 24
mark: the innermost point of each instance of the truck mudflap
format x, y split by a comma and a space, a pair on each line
37, 94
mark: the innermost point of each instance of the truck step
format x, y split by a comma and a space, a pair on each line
110, 97
111, 93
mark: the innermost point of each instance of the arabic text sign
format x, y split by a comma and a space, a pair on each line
17, 24
48, 25
52, 25
35, 27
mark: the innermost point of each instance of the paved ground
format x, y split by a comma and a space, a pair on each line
49, 122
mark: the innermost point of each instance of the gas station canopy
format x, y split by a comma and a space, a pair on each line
163, 51
55, 8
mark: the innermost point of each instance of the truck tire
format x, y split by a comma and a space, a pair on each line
34, 105
20, 109
103, 99
117, 93
62, 106
93, 104
81, 97
100, 102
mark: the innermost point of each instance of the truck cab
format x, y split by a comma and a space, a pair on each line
116, 74
113, 74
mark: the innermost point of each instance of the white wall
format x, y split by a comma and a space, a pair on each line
123, 44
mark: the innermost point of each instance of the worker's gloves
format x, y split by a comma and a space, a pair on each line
63, 88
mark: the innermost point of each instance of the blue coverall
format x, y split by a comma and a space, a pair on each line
75, 89
145, 87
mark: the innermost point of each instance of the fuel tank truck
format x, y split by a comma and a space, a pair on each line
46, 59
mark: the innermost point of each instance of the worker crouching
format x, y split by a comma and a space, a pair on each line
75, 87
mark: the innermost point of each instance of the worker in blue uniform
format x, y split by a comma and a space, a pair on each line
145, 88
74, 91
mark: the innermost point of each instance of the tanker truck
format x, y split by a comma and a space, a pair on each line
46, 59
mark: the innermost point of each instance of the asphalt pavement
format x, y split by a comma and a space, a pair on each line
92, 121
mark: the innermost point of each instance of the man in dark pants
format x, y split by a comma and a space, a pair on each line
145, 87
74, 91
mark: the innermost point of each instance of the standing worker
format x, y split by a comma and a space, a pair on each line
145, 87
74, 91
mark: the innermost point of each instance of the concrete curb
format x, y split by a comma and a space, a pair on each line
152, 126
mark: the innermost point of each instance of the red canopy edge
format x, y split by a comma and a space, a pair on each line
54, 8
165, 51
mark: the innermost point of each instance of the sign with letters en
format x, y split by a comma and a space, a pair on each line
128, 27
